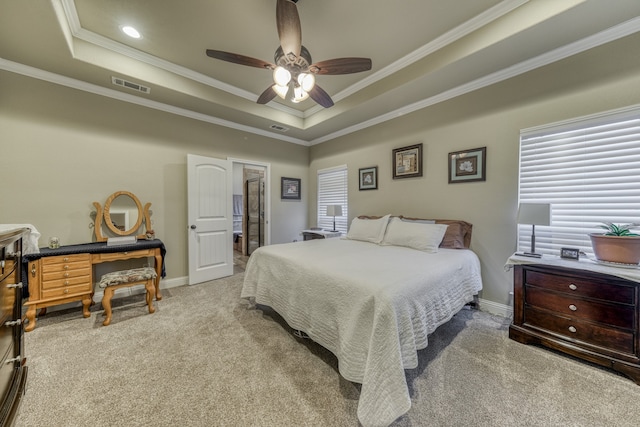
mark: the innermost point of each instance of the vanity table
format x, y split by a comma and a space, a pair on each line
66, 274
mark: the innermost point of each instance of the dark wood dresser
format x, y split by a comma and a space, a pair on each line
587, 314
13, 369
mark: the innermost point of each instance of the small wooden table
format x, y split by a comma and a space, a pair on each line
62, 275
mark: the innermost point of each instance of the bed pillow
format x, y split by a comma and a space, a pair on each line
368, 230
458, 235
413, 234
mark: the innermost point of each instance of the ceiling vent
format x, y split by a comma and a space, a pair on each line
279, 128
131, 85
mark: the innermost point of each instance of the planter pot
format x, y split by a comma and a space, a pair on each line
621, 249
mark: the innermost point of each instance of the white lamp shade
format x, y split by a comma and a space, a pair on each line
334, 210
534, 213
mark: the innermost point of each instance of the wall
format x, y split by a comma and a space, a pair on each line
62, 149
604, 78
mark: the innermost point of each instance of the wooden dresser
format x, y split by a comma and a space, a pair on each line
13, 368
588, 314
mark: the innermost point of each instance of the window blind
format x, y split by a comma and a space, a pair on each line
332, 190
589, 170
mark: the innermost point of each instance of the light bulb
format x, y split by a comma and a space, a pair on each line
306, 81
281, 76
299, 94
281, 90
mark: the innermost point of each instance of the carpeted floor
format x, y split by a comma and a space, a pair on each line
205, 359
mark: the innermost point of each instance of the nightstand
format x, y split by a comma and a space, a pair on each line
319, 234
581, 309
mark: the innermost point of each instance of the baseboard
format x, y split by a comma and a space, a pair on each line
495, 308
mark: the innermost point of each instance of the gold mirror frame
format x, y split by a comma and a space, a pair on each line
144, 214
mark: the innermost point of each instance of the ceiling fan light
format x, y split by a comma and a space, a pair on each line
306, 81
281, 76
281, 90
299, 94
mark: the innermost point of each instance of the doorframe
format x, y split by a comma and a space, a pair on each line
267, 192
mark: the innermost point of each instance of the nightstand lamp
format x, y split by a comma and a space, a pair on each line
534, 214
334, 211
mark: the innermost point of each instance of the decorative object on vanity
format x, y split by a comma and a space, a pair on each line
290, 188
468, 165
13, 368
618, 245
368, 178
584, 311
407, 161
123, 215
534, 214
334, 211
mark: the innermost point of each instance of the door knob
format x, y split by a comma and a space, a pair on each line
193, 227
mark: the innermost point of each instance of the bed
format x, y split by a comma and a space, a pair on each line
371, 298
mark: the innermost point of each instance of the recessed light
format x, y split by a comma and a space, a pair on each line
131, 32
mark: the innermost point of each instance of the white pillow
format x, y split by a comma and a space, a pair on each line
416, 235
368, 230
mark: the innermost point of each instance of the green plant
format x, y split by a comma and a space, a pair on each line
619, 229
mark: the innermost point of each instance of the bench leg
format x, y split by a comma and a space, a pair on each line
106, 304
151, 291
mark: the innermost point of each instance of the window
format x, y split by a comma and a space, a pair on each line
332, 190
588, 170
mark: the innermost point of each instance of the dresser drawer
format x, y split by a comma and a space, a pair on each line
114, 256
66, 291
68, 281
582, 287
64, 259
611, 314
66, 274
573, 329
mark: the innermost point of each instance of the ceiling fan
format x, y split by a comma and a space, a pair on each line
293, 68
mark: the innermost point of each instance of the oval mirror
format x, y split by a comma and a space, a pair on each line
123, 213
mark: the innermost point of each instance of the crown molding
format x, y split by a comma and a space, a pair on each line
611, 34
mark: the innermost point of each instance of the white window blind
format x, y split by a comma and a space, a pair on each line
332, 190
589, 170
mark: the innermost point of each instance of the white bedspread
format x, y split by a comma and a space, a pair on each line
372, 306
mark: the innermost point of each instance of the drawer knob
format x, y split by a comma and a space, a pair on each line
66, 274
66, 282
572, 329
66, 291
65, 259
66, 267
572, 307
573, 287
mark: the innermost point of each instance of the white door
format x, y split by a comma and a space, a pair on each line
210, 215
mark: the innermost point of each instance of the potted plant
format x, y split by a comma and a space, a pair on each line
618, 244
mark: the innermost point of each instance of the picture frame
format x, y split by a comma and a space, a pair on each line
407, 161
570, 253
368, 178
468, 165
290, 188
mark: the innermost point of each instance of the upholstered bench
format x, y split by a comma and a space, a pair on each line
125, 278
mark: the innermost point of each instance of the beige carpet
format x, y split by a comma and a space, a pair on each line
204, 359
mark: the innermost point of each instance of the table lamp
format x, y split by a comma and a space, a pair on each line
534, 214
334, 211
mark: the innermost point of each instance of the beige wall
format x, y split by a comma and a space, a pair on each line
604, 79
62, 149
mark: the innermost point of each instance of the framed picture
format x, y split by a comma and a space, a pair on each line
407, 161
368, 178
468, 165
290, 188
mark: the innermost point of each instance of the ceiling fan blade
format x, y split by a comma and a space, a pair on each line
239, 59
341, 66
267, 95
289, 29
321, 97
